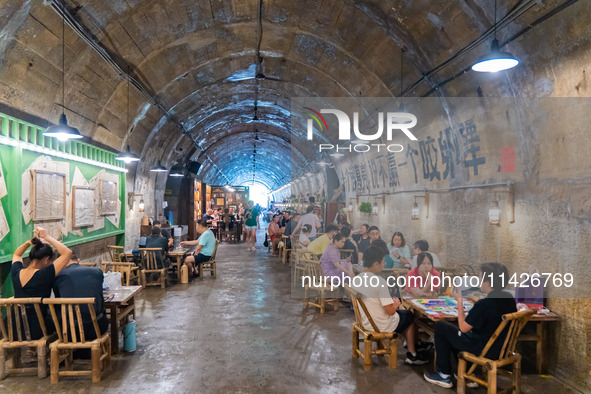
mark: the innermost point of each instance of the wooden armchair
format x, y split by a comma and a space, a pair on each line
150, 265
116, 253
129, 271
316, 275
386, 342
299, 257
285, 251
515, 322
71, 336
16, 335
210, 265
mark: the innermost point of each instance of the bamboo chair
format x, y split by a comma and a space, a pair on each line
316, 275
298, 263
515, 322
91, 265
346, 253
116, 253
210, 265
129, 272
270, 243
12, 342
150, 265
71, 336
386, 342
285, 252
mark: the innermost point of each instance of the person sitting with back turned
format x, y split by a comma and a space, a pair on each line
423, 246
205, 248
383, 309
79, 281
37, 278
473, 331
156, 240
312, 220
319, 245
164, 233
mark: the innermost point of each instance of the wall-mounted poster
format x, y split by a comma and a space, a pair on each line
83, 206
48, 195
220, 202
109, 196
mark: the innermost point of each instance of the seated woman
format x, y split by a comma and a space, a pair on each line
331, 262
305, 236
398, 252
419, 281
36, 279
275, 233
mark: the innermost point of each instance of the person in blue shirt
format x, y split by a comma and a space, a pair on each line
205, 248
79, 281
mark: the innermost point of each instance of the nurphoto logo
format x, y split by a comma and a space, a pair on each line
402, 121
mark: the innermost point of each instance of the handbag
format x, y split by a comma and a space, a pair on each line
266, 243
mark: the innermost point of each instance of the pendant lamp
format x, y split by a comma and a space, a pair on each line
495, 60
62, 131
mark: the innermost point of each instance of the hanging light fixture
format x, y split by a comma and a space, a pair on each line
62, 131
141, 205
494, 213
158, 168
401, 109
127, 156
176, 171
496, 60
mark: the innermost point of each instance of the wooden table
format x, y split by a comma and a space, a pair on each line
426, 322
119, 307
176, 255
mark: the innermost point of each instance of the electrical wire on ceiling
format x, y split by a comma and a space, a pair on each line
60, 8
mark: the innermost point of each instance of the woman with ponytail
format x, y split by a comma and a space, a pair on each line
36, 279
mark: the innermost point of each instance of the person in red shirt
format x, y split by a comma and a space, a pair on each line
419, 281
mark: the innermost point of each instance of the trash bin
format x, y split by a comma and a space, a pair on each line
129, 336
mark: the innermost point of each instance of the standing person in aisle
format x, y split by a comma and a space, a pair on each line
251, 214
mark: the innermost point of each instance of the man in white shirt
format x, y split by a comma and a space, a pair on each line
384, 309
423, 246
311, 219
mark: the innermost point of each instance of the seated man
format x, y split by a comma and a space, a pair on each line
473, 332
423, 246
79, 281
319, 245
157, 240
208, 217
383, 309
204, 251
164, 233
373, 234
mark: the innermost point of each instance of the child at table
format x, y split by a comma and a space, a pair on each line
473, 331
419, 281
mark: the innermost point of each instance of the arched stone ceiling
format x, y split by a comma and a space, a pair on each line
198, 58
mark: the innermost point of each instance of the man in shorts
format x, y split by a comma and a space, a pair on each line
383, 309
205, 248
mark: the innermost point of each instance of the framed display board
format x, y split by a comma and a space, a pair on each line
83, 206
109, 196
48, 195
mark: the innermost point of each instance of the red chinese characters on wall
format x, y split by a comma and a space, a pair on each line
508, 161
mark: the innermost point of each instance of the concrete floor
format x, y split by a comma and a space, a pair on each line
242, 333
